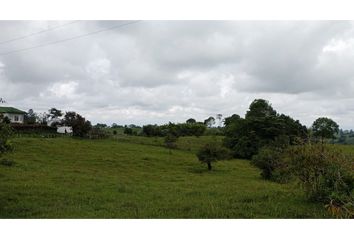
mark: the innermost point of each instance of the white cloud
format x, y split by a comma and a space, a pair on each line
160, 71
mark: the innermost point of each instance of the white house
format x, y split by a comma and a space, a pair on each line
15, 115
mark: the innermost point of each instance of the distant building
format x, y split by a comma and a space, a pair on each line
15, 115
65, 129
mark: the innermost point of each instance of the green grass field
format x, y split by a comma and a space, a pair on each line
131, 178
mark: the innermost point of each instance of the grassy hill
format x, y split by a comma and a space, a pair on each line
123, 178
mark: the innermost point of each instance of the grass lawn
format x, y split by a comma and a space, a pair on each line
73, 178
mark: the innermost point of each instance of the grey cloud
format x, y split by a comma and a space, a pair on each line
159, 71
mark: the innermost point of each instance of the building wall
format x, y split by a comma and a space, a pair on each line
15, 118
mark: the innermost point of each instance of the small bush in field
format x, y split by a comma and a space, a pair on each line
271, 161
327, 176
114, 132
212, 152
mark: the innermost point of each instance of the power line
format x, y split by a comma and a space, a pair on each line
36, 33
69, 39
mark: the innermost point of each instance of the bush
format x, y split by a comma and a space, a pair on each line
271, 161
212, 152
128, 131
33, 129
326, 174
114, 132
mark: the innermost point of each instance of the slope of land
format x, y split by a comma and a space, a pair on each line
73, 178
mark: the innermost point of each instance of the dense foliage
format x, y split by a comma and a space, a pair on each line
326, 174
180, 129
324, 128
261, 126
270, 159
81, 127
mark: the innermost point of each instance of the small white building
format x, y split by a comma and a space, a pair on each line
64, 129
15, 115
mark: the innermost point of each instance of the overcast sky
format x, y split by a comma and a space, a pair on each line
160, 71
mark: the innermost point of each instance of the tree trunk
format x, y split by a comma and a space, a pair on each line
209, 166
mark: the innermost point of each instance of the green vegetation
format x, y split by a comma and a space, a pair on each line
110, 178
261, 126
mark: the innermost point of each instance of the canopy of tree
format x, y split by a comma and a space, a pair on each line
261, 126
325, 128
181, 129
79, 124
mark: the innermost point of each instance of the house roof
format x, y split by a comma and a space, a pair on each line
11, 110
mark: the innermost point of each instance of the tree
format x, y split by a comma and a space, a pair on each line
209, 122
229, 120
212, 152
79, 124
54, 113
324, 128
261, 126
30, 117
191, 121
260, 108
128, 131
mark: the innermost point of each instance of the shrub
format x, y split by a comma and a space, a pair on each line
212, 152
326, 174
128, 131
271, 161
114, 132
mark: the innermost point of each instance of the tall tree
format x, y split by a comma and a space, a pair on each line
261, 126
191, 121
79, 124
54, 113
324, 128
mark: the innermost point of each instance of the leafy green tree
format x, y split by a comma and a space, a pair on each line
191, 121
261, 126
324, 128
128, 131
260, 108
81, 127
212, 152
54, 113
